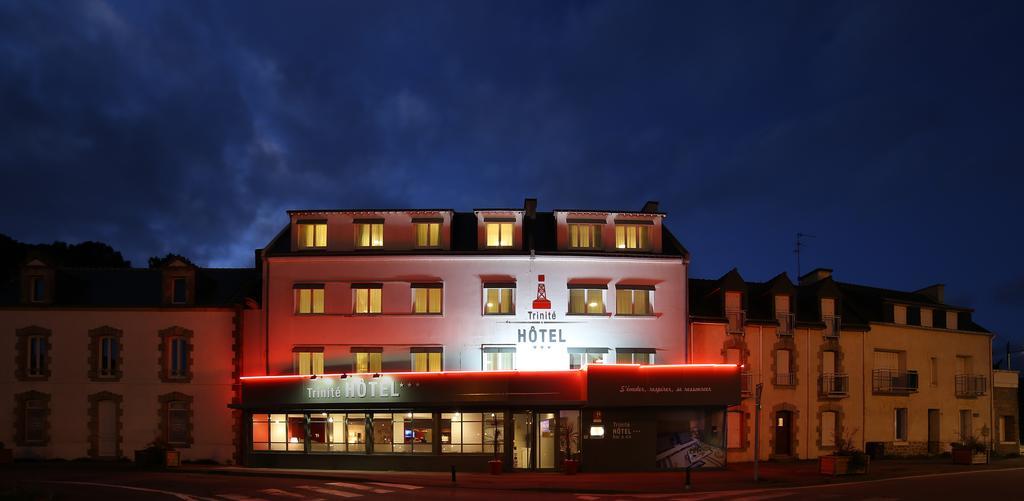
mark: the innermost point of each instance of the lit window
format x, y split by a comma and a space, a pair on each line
584, 236
108, 356
428, 234
634, 301
586, 301
335, 432
309, 361
38, 289
472, 432
578, 357
177, 423
499, 300
499, 234
369, 235
37, 347
632, 236
179, 357
179, 293
641, 356
279, 432
367, 360
901, 424
367, 299
426, 360
403, 432
426, 298
499, 358
309, 299
312, 235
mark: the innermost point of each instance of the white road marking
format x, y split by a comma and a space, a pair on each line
239, 497
397, 486
286, 494
179, 495
330, 492
360, 487
765, 496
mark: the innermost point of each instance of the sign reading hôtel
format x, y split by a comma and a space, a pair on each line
353, 388
540, 313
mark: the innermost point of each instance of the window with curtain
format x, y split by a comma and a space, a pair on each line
499, 300
583, 301
426, 298
428, 235
179, 357
630, 301
472, 432
499, 234
309, 300
367, 299
499, 358
578, 357
403, 432
337, 432
108, 356
308, 361
584, 236
426, 359
369, 235
632, 236
36, 355
640, 356
367, 360
312, 235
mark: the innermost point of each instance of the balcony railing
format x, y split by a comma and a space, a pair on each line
971, 385
786, 321
831, 326
893, 381
735, 320
785, 379
746, 384
834, 384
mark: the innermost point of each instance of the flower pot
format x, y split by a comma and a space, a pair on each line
495, 466
172, 458
968, 456
570, 466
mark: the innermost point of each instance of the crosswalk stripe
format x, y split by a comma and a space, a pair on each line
332, 492
397, 486
360, 487
286, 494
239, 497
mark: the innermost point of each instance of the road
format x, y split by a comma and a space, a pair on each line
157, 485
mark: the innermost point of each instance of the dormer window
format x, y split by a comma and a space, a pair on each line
428, 233
584, 235
633, 235
38, 289
369, 233
499, 233
179, 294
312, 234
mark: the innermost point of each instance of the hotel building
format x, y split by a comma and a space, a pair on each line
428, 338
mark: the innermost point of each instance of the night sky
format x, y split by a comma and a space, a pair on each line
890, 130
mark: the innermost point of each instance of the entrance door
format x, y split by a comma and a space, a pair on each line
933, 431
783, 435
547, 429
522, 440
107, 432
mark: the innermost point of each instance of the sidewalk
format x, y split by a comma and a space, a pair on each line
737, 476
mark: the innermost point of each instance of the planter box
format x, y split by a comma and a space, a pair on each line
968, 456
494, 466
570, 466
840, 465
157, 458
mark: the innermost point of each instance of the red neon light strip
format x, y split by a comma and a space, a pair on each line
307, 376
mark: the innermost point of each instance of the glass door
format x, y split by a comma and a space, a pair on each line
547, 440
522, 440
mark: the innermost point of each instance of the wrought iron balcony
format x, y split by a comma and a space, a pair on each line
734, 321
786, 321
893, 381
834, 384
746, 384
785, 379
832, 325
971, 385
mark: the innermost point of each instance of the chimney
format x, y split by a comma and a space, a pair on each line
530, 206
935, 292
815, 275
650, 207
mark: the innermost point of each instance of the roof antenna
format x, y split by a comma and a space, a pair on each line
800, 244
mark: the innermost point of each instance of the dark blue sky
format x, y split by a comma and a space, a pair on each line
891, 130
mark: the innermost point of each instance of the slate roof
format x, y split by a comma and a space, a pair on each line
539, 236
857, 305
140, 287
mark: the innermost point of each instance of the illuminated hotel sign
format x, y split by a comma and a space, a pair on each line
352, 388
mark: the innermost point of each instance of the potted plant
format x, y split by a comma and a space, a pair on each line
158, 453
495, 465
570, 448
972, 450
846, 459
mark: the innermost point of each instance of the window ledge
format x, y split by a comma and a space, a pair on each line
606, 315
629, 315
